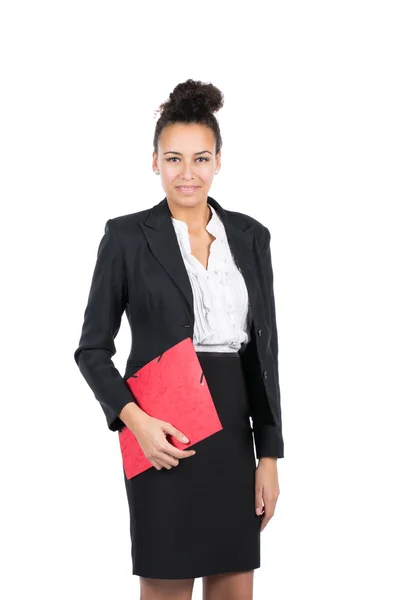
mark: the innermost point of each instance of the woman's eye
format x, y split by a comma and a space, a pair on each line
175, 157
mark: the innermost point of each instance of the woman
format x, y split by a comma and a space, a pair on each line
188, 267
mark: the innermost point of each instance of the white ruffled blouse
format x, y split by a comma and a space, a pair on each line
219, 292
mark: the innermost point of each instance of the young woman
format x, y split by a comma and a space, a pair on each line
189, 267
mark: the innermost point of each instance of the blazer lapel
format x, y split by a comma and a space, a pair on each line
160, 234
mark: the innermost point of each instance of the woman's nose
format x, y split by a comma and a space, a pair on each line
187, 172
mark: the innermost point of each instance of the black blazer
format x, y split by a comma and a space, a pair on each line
140, 270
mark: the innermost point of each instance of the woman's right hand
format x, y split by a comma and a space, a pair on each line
151, 435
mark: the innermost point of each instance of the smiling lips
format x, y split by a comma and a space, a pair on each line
188, 189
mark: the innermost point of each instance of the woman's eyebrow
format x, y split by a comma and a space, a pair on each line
180, 153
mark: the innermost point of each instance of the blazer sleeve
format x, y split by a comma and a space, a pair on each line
268, 431
107, 300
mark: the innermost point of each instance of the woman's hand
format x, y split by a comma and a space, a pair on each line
266, 488
151, 435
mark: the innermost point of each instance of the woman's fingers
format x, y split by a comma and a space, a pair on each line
166, 460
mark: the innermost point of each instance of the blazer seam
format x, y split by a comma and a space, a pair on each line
123, 261
267, 239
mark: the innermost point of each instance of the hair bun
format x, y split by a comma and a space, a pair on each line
191, 102
195, 97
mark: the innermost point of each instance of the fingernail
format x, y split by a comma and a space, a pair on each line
184, 439
258, 511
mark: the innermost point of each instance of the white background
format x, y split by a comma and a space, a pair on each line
311, 133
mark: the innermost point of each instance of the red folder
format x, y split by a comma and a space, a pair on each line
172, 387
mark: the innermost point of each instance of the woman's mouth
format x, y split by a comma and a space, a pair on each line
188, 190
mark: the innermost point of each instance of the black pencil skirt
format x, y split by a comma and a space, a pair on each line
198, 518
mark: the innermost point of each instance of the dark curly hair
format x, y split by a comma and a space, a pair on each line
191, 102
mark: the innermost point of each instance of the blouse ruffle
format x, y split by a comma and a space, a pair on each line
223, 328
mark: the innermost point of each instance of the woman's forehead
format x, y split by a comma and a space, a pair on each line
187, 138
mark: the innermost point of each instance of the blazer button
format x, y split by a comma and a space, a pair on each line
259, 332
265, 374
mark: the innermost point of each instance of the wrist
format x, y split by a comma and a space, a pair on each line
132, 415
267, 460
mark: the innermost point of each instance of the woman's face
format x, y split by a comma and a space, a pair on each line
186, 157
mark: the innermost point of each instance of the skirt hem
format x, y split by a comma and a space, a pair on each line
207, 572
